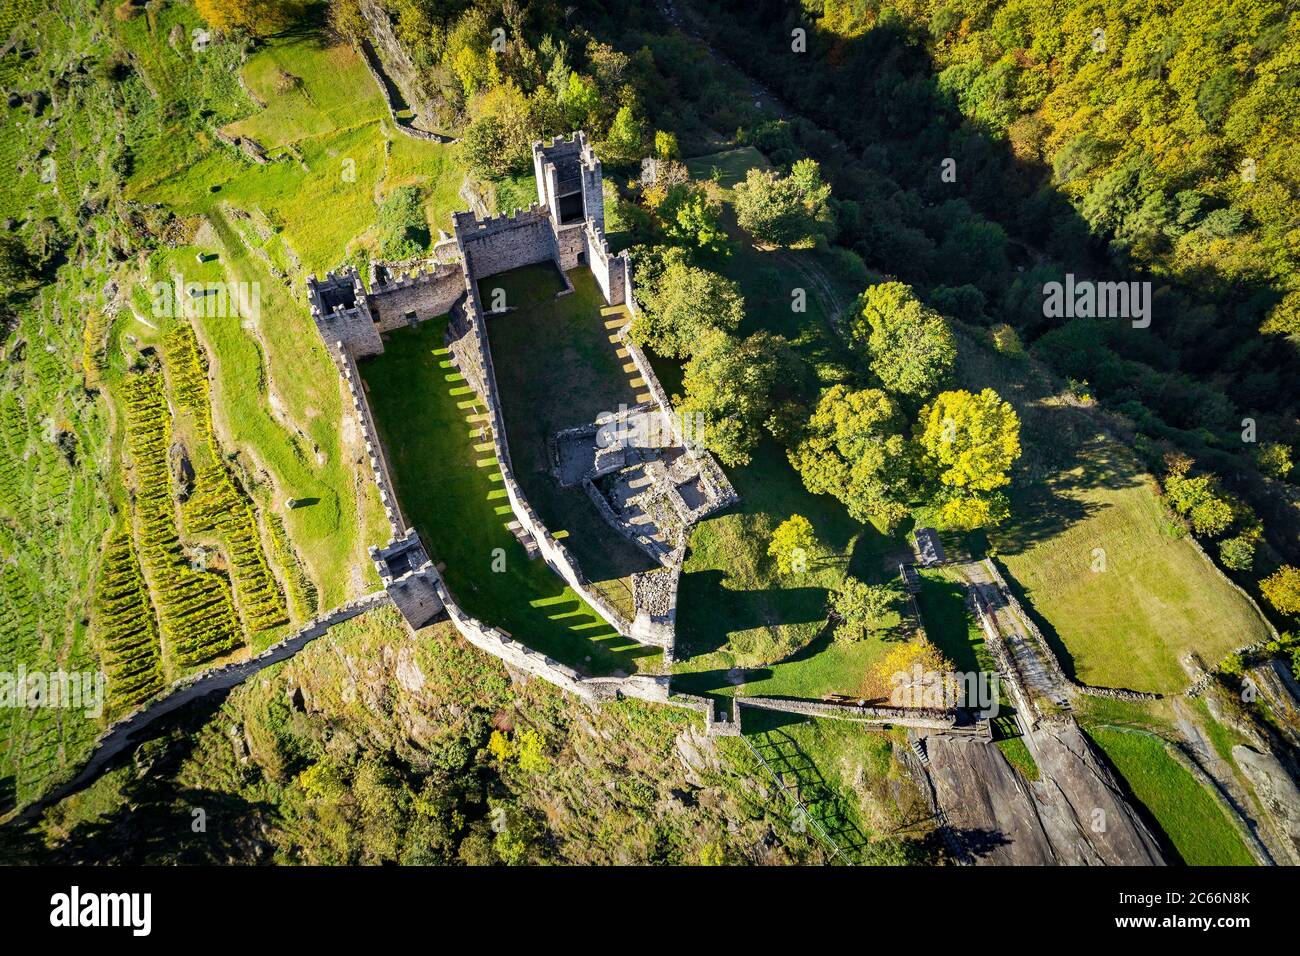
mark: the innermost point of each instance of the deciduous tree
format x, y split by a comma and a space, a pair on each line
793, 544
910, 347
853, 449
864, 609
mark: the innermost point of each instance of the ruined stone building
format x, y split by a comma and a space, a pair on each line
564, 227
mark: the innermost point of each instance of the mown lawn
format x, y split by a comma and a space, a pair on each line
556, 368
1190, 817
1081, 501
450, 488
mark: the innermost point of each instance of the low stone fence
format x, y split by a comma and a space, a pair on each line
371, 58
374, 448
1049, 657
923, 717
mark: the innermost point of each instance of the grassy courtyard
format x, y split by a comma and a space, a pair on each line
450, 488
556, 368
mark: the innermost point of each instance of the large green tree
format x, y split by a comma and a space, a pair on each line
729, 388
864, 609
681, 303
853, 449
784, 210
793, 544
1198, 498
967, 444
910, 347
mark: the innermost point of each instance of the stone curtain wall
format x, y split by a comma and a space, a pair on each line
553, 552
122, 733
374, 448
428, 294
926, 718
502, 645
502, 243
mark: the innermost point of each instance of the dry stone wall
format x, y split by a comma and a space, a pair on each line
384, 54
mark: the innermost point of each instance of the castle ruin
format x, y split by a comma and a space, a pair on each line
621, 472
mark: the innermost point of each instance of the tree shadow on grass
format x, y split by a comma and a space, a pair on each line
709, 613
944, 612
1047, 504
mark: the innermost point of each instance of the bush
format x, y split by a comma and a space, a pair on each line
403, 230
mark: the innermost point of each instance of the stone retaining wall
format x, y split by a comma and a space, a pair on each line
1050, 659
374, 448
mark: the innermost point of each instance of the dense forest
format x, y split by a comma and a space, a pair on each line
1139, 141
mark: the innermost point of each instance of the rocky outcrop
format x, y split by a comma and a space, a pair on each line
1075, 815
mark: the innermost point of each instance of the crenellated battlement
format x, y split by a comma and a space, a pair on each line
468, 227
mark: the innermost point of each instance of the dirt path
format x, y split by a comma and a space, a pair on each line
1040, 679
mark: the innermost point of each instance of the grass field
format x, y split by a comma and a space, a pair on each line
334, 153
1189, 816
450, 488
1081, 501
334, 150
556, 368
949, 623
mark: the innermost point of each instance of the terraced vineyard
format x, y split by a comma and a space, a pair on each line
127, 631
196, 607
217, 505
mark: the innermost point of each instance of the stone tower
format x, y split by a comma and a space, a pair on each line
569, 181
